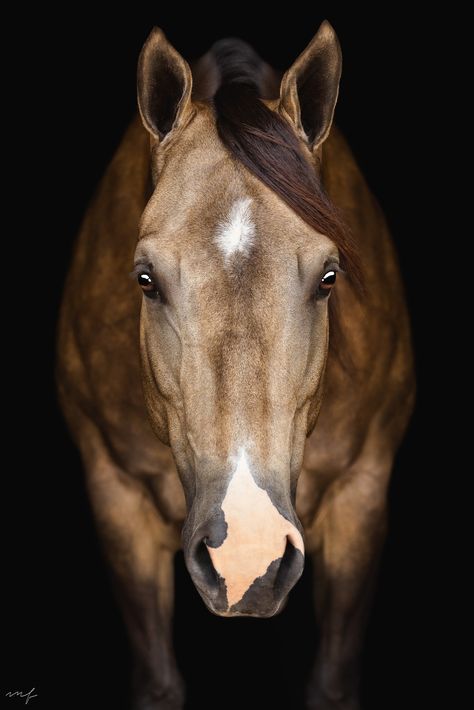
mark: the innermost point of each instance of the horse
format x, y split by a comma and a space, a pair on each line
245, 398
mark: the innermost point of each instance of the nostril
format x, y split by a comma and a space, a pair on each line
295, 539
290, 569
203, 567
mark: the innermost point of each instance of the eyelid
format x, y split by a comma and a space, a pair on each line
333, 266
141, 267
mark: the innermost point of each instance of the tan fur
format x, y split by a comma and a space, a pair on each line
235, 357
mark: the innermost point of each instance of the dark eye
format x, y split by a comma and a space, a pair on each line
147, 285
326, 283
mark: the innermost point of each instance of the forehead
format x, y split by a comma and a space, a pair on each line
206, 203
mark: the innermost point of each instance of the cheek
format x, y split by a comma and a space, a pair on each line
160, 354
169, 345
314, 345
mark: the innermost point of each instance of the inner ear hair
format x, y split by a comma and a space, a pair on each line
309, 89
164, 85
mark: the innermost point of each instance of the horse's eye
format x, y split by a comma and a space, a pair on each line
147, 285
326, 283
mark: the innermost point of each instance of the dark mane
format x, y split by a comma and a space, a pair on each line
265, 143
238, 63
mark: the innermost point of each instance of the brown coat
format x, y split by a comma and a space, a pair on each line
230, 360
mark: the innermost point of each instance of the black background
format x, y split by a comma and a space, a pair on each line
65, 636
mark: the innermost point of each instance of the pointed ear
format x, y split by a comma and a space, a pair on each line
164, 86
309, 89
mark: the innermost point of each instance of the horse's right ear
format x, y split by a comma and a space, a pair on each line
164, 86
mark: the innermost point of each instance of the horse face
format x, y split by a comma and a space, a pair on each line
234, 337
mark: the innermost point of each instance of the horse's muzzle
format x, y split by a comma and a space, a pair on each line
242, 576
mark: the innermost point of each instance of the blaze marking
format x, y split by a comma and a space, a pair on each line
236, 233
256, 534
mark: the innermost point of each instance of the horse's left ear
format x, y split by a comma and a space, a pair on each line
309, 89
164, 85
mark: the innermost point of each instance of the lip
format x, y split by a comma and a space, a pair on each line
239, 615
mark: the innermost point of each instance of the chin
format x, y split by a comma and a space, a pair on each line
247, 613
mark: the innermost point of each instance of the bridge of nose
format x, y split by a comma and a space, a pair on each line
257, 534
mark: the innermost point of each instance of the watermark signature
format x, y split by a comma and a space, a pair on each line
26, 696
